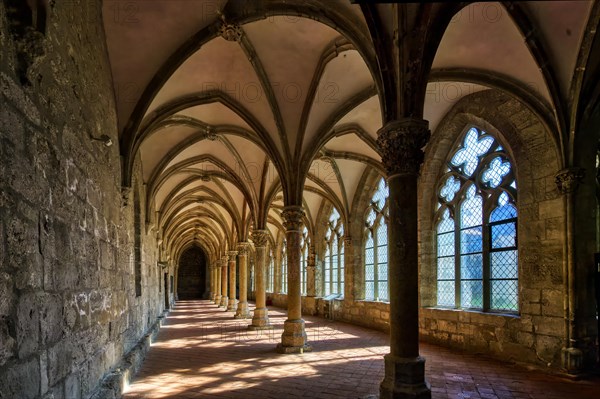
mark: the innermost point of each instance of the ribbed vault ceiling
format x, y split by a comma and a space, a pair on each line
229, 104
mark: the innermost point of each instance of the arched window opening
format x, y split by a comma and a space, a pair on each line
304, 246
476, 233
334, 255
284, 273
376, 251
271, 273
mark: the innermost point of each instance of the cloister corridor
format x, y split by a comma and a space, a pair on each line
203, 352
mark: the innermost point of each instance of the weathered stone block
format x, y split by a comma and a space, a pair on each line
8, 345
51, 319
21, 381
550, 208
552, 303
72, 388
27, 325
59, 361
545, 325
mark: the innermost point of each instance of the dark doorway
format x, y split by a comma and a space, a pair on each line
191, 276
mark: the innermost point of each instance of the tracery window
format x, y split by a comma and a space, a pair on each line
477, 259
334, 255
304, 246
376, 238
270, 273
284, 274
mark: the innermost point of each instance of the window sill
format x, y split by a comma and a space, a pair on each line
481, 312
373, 301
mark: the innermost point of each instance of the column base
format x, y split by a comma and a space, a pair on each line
242, 311
224, 301
404, 378
293, 339
260, 320
232, 305
572, 360
217, 300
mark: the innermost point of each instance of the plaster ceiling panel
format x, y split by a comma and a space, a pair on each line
215, 114
484, 37
214, 148
351, 172
310, 183
352, 143
218, 209
253, 160
312, 202
204, 167
272, 177
344, 77
236, 195
562, 23
442, 96
325, 172
220, 65
141, 36
156, 147
289, 49
367, 115
273, 230
168, 186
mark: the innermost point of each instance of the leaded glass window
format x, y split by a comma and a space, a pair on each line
477, 257
376, 251
333, 271
304, 247
271, 273
284, 274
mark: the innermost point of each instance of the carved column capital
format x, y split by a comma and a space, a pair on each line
232, 255
347, 241
568, 180
224, 261
400, 145
243, 248
292, 217
260, 238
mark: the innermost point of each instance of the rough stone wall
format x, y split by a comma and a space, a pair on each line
536, 334
68, 309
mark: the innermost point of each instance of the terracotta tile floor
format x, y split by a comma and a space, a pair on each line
202, 352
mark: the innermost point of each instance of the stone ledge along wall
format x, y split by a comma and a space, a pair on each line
68, 305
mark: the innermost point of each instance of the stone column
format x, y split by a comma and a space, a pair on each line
349, 270
232, 304
217, 275
224, 297
311, 275
242, 309
400, 146
260, 319
567, 182
213, 291
293, 339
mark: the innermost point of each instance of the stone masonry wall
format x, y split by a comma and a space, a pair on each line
68, 307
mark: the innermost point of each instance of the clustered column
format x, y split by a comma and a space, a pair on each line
567, 182
232, 305
260, 320
293, 339
400, 145
224, 297
242, 309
